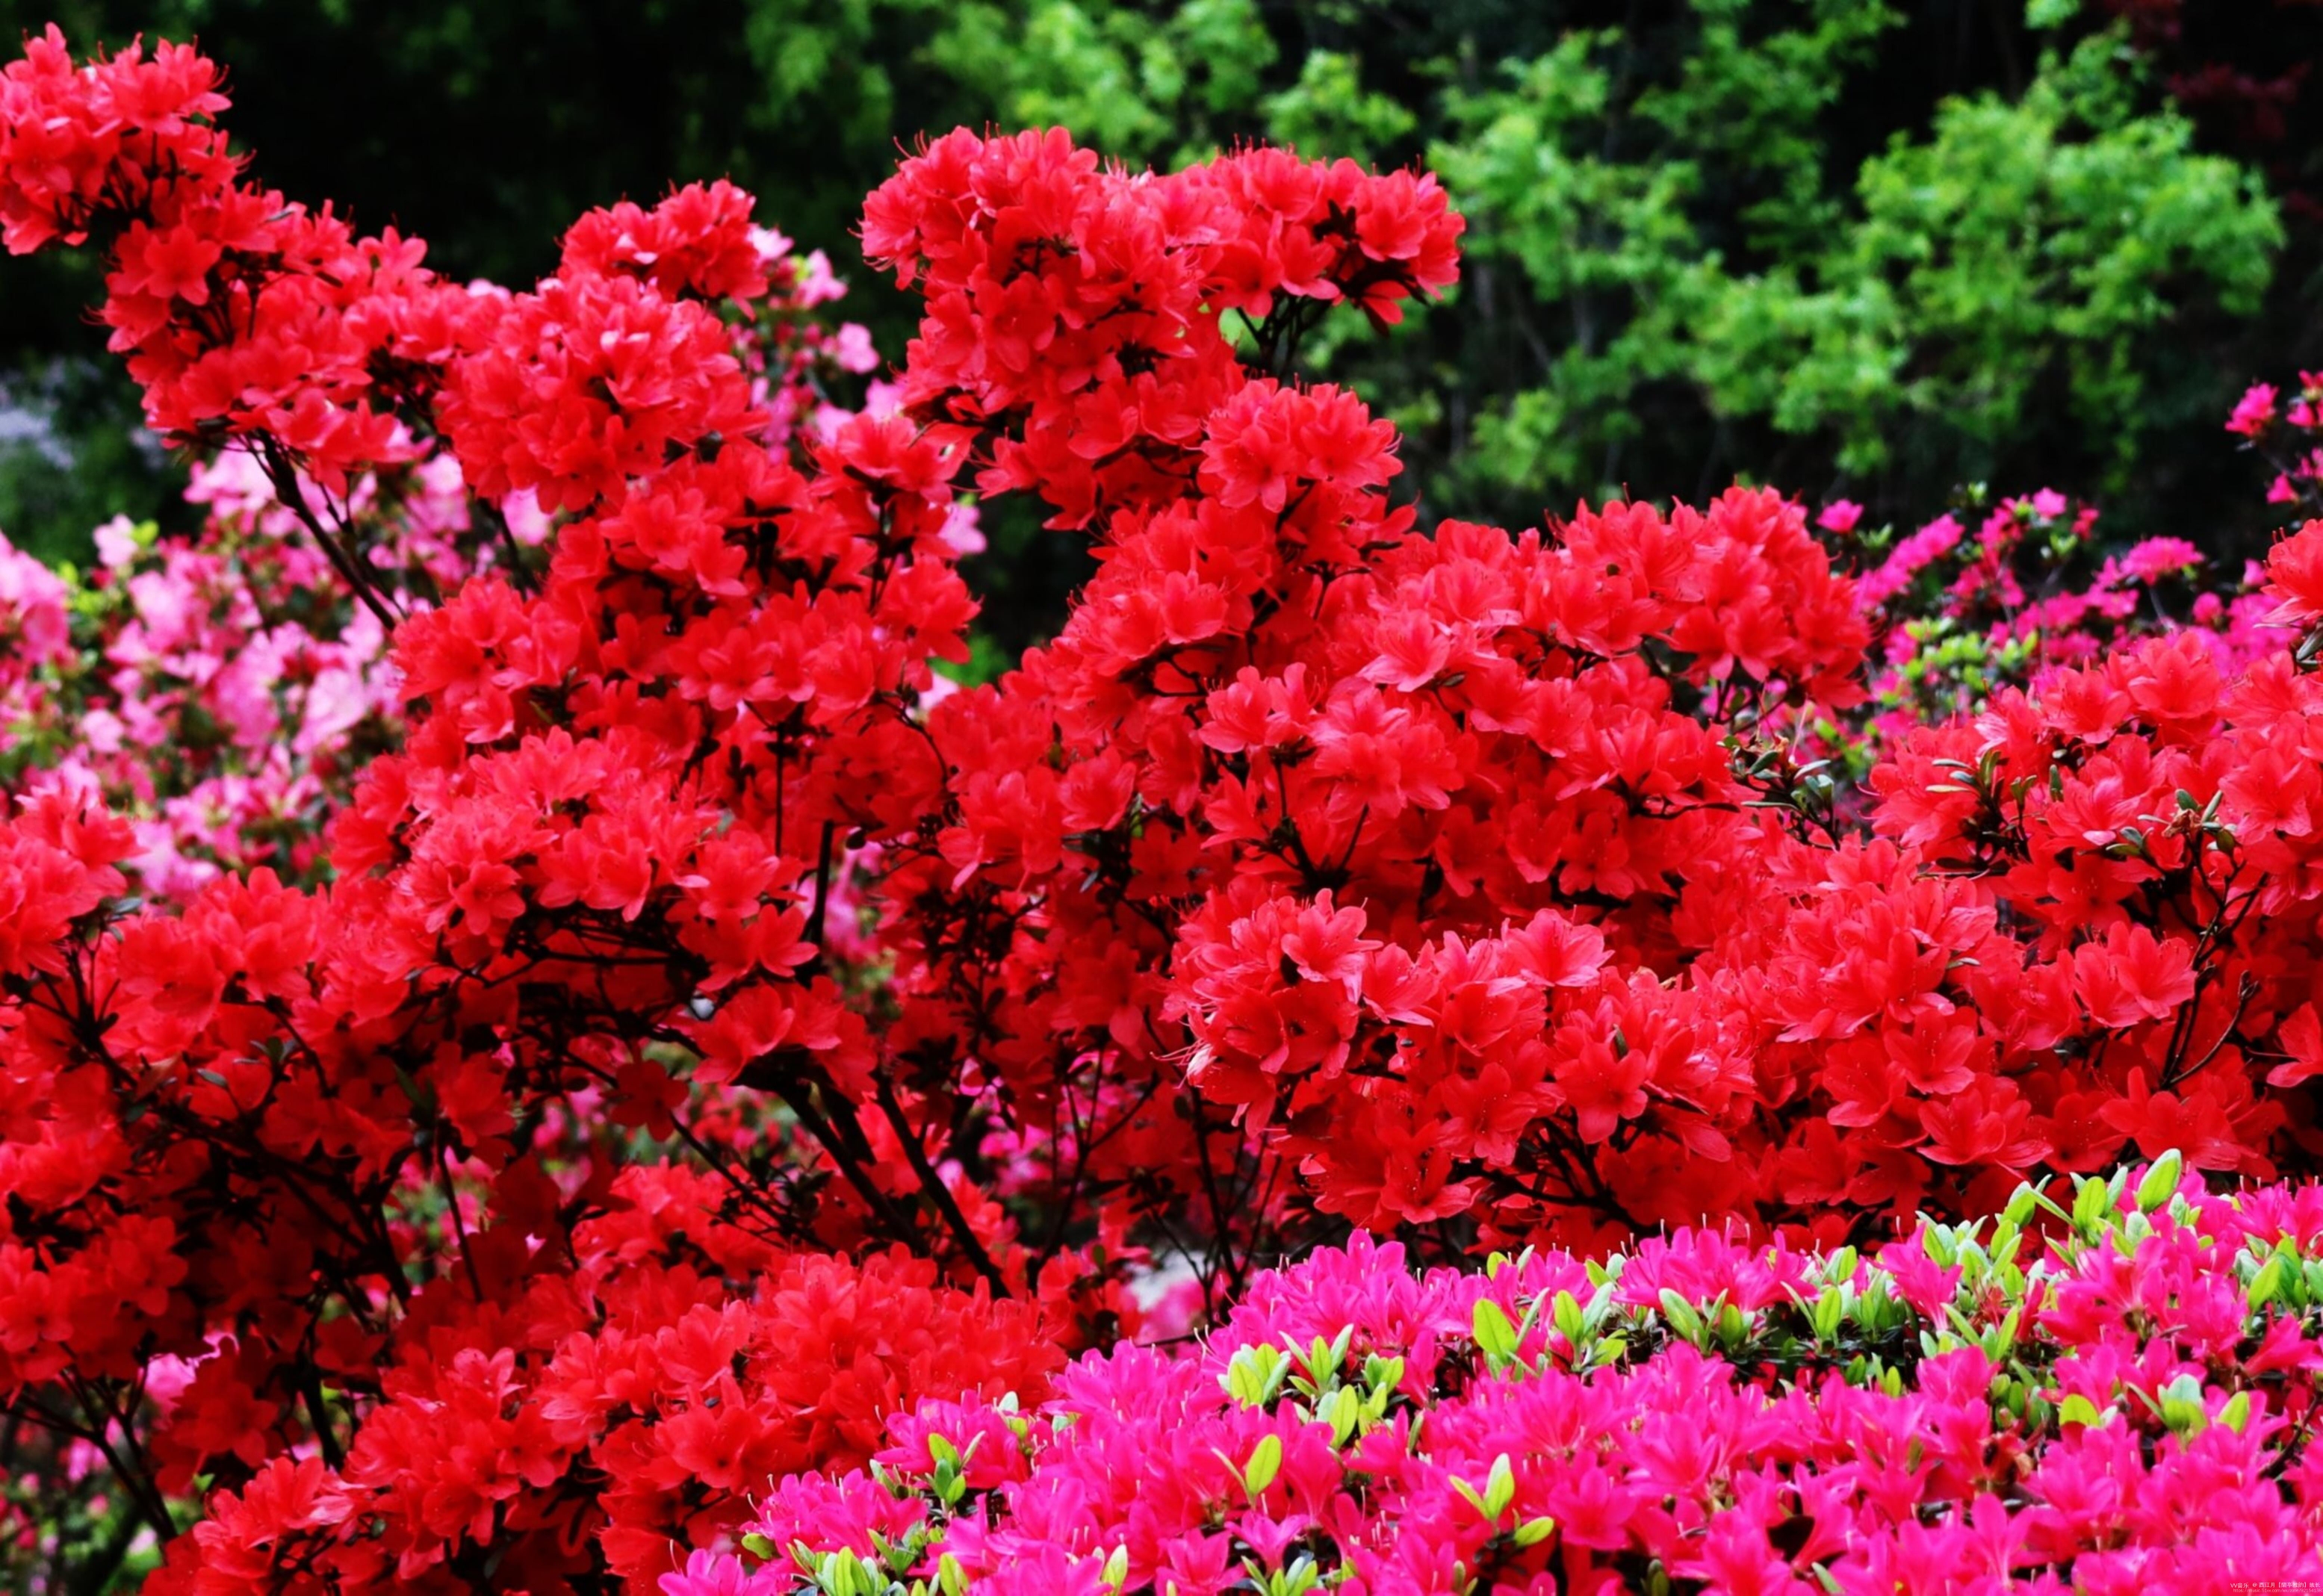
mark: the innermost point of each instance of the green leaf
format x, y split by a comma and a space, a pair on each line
2161, 1182
1496, 1336
1566, 1314
1682, 1317
1265, 1462
1533, 1531
1499, 1489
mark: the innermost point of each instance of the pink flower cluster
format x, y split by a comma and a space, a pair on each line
2113, 1396
2033, 590
2288, 437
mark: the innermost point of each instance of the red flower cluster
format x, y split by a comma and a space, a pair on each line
1080, 314
244, 316
512, 1205
588, 1420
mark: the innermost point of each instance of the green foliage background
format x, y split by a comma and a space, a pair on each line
1875, 248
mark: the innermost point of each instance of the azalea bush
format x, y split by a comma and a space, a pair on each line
2119, 1410
549, 1014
